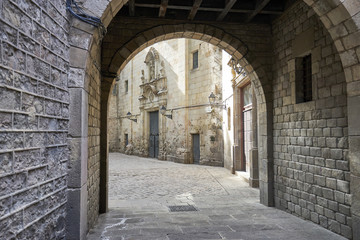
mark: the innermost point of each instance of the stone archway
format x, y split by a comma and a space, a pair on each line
121, 54
339, 18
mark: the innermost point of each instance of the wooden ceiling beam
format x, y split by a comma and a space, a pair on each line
228, 6
189, 8
163, 7
194, 9
132, 8
259, 6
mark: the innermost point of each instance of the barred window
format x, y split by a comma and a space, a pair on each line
126, 139
114, 91
126, 86
195, 59
303, 79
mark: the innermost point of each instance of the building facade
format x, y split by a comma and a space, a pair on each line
177, 75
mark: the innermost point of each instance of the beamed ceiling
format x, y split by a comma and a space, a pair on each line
241, 11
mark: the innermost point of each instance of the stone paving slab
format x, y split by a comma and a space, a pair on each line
141, 189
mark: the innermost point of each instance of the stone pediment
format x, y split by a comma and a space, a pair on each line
153, 86
152, 55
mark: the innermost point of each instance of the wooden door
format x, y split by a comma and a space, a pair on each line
154, 135
196, 148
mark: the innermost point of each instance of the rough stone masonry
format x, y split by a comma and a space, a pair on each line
34, 116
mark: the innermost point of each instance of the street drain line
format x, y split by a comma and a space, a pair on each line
182, 208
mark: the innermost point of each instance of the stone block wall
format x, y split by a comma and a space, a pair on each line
310, 139
34, 117
93, 165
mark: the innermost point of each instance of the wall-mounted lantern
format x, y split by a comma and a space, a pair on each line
212, 98
237, 67
131, 117
213, 103
163, 111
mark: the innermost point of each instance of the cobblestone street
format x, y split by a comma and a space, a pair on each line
142, 189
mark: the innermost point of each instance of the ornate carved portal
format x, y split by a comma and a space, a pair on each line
153, 95
153, 86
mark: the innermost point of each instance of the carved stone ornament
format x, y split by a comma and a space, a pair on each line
153, 86
152, 62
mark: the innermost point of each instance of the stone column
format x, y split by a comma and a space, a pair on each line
76, 223
265, 144
76, 220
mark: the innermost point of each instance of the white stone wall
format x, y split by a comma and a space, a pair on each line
205, 79
227, 92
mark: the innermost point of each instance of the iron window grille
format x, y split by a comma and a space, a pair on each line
195, 60
303, 79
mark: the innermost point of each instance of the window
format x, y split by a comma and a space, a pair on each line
114, 91
303, 79
247, 94
195, 59
126, 86
126, 139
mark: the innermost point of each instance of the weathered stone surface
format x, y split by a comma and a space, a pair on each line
6, 162
10, 99
78, 125
78, 162
77, 213
314, 124
31, 86
76, 77
8, 183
